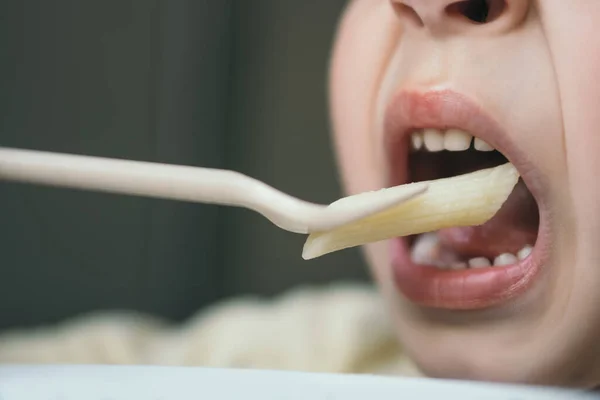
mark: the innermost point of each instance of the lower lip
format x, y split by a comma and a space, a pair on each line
468, 289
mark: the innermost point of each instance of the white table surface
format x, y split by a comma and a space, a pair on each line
176, 383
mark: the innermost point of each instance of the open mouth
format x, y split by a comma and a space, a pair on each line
439, 135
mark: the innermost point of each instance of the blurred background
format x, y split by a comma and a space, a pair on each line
216, 83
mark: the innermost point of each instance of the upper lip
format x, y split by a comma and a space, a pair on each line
440, 109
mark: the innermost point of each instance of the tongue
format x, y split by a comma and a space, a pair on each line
512, 228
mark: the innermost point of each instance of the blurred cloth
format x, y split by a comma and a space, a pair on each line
340, 329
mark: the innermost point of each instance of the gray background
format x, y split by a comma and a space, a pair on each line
216, 83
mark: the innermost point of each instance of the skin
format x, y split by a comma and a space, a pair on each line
534, 68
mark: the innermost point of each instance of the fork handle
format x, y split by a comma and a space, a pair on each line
174, 182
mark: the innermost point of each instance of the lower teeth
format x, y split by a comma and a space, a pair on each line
479, 262
427, 250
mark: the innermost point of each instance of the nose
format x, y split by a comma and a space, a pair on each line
452, 16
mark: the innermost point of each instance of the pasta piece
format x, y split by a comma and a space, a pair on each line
464, 200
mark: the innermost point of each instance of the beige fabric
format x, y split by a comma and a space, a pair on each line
342, 328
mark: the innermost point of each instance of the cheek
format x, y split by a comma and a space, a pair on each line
365, 40
582, 124
575, 45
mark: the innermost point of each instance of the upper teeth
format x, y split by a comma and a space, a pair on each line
482, 146
452, 140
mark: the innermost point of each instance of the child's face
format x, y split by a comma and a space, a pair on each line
525, 79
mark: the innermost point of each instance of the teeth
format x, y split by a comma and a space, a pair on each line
434, 140
424, 249
479, 262
417, 140
505, 259
457, 140
482, 146
458, 265
524, 252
